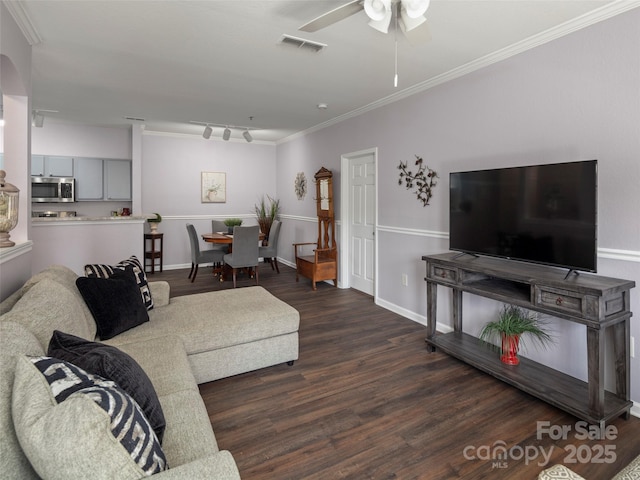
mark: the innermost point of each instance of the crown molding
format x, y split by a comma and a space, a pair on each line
595, 16
23, 20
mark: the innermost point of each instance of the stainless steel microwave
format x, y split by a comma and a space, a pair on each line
52, 189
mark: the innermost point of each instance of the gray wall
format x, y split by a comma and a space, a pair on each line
576, 98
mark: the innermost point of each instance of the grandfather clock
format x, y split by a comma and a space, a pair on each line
324, 208
323, 264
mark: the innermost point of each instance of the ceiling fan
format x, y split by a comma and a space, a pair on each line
409, 15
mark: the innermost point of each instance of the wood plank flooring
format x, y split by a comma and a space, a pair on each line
367, 401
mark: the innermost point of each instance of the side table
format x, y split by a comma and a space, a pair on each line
153, 253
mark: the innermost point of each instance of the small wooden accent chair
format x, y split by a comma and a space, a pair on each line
323, 264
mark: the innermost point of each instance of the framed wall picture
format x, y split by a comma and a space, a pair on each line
214, 187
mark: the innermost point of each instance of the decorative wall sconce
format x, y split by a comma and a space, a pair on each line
9, 196
421, 181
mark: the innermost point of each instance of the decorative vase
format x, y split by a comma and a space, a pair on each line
9, 200
154, 227
510, 345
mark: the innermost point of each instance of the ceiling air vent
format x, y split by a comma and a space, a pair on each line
302, 43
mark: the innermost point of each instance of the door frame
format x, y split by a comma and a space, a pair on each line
345, 218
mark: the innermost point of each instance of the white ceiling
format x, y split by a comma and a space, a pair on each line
218, 61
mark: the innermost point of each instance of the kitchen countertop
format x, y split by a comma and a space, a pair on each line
130, 218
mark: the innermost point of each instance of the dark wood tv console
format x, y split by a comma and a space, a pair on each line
602, 304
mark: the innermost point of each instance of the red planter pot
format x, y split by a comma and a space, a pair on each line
510, 345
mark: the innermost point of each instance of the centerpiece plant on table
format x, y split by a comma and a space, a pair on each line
513, 326
232, 222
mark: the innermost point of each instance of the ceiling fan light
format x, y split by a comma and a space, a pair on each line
415, 8
247, 136
377, 10
226, 134
382, 25
408, 23
207, 132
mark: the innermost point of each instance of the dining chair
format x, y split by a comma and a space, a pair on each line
198, 257
244, 250
218, 226
270, 252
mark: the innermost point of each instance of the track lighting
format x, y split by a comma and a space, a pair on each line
38, 120
225, 128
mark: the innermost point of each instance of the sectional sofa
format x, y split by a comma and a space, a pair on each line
185, 341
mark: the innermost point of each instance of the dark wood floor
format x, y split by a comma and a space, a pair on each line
366, 401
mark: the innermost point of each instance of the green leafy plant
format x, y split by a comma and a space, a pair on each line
514, 320
233, 222
156, 219
266, 212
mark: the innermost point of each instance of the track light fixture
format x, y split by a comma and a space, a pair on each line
37, 119
226, 130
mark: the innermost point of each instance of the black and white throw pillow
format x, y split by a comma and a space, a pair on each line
129, 426
106, 271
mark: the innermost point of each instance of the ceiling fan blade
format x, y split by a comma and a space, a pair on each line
419, 35
333, 16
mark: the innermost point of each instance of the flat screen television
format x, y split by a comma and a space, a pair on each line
543, 214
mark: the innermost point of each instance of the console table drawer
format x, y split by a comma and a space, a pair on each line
566, 301
444, 274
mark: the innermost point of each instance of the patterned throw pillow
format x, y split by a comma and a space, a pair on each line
83, 427
106, 271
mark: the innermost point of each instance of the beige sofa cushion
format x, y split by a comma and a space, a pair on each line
61, 275
46, 307
188, 435
15, 339
169, 372
213, 320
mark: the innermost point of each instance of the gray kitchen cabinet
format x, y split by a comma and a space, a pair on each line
89, 179
51, 166
117, 176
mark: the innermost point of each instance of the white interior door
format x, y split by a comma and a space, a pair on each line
362, 195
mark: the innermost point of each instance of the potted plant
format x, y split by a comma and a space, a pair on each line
154, 221
512, 324
232, 222
266, 212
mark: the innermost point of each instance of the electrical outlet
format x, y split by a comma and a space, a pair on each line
405, 279
632, 348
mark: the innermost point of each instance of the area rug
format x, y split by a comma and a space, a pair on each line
557, 472
631, 471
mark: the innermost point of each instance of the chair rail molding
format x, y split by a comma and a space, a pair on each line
8, 254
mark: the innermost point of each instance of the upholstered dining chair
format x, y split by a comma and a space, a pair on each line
197, 256
244, 250
270, 251
218, 226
